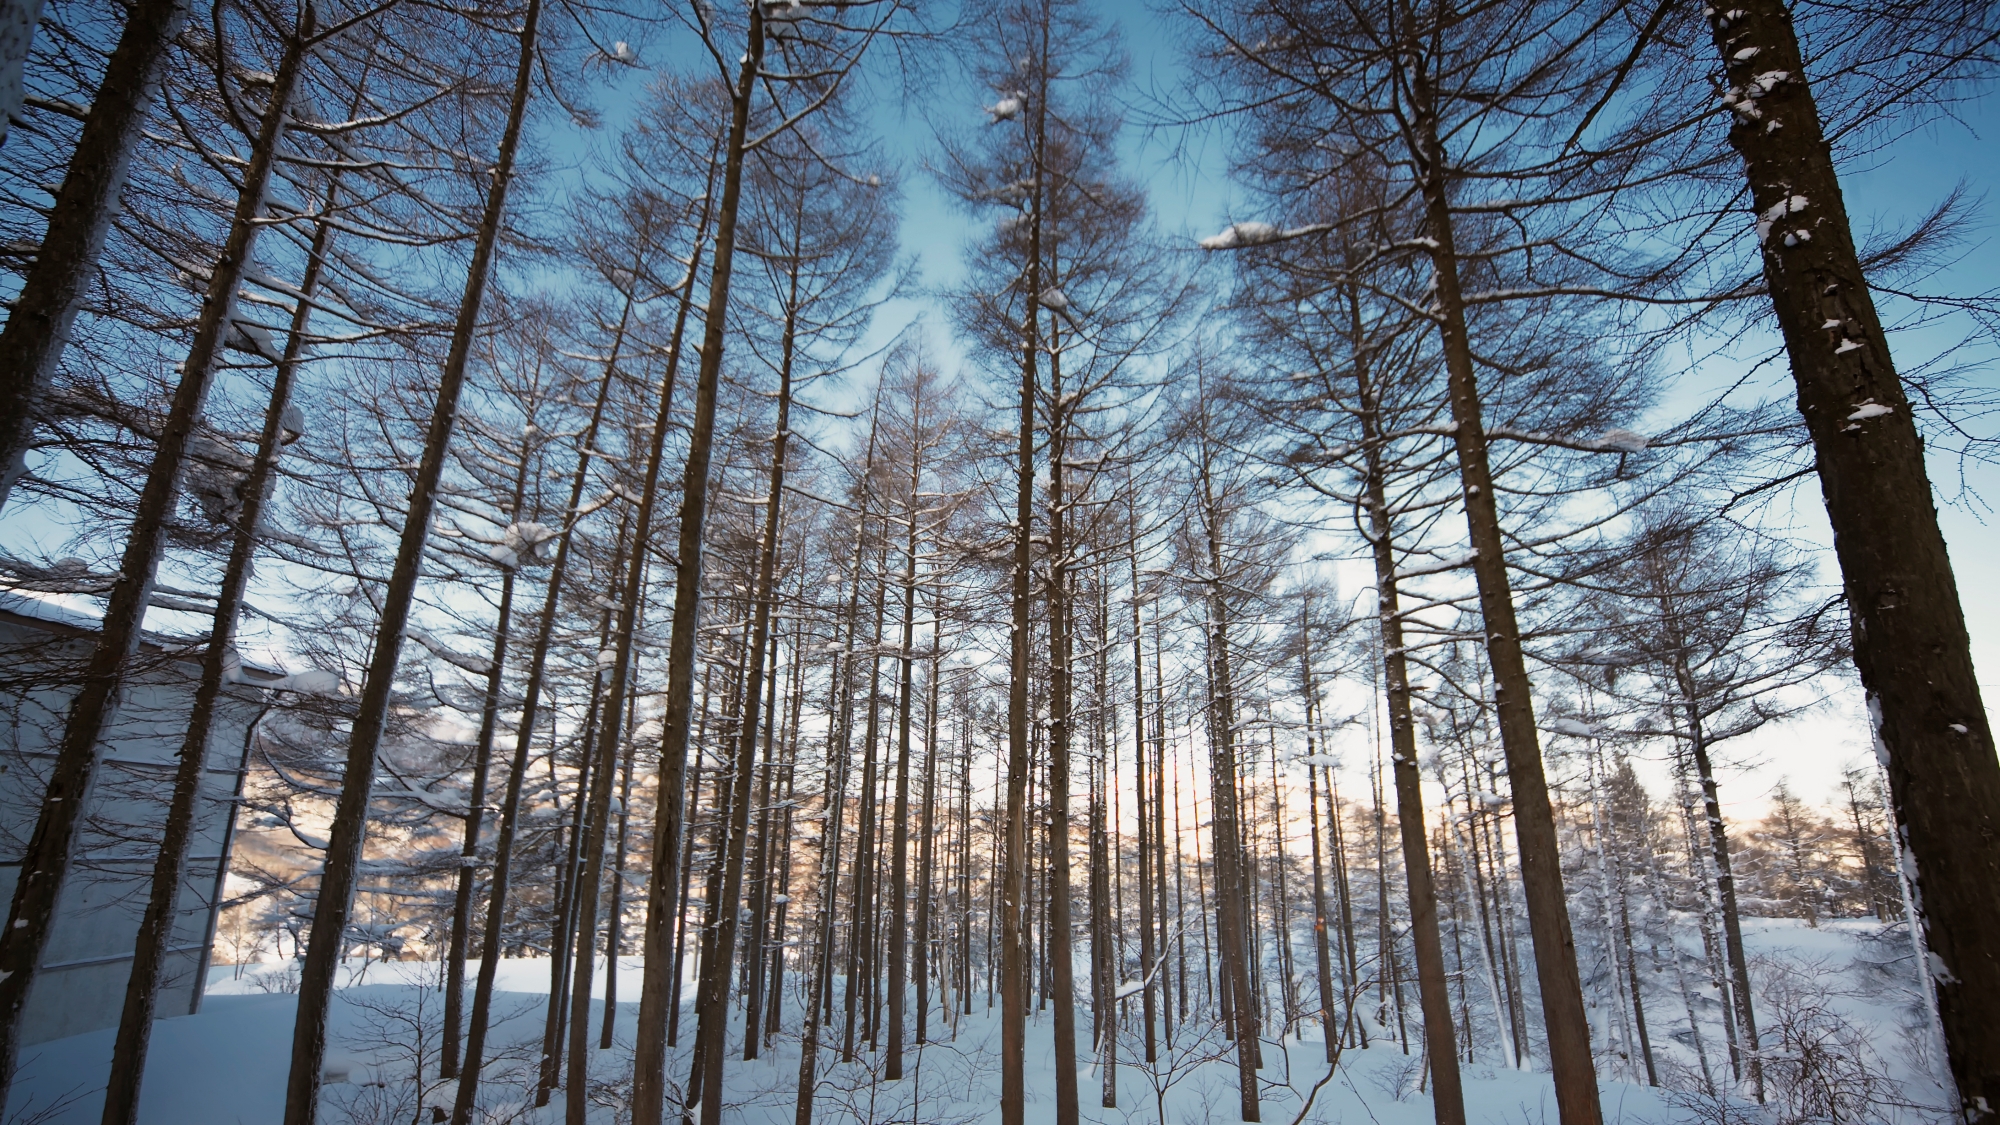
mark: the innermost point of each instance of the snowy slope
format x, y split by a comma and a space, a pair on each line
1846, 983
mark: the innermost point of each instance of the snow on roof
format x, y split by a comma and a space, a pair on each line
84, 615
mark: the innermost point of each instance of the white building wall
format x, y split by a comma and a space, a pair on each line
81, 982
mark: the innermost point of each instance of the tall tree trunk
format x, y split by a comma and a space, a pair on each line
1725, 886
759, 893
563, 933
796, 677
46, 860
927, 833
861, 928
1148, 965
899, 860
1563, 1015
31, 346
819, 1000
335, 898
475, 805
614, 931
1910, 643
489, 965
649, 1056
462, 901
1014, 967
713, 1014
1323, 959
625, 634
1232, 909
1433, 986
1167, 926
1059, 946
156, 925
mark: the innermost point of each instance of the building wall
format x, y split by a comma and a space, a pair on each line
81, 982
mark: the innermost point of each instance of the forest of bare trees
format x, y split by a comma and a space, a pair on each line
784, 588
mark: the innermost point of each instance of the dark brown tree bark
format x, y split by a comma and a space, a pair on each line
1910, 643
489, 965
1014, 967
927, 832
758, 893
1059, 947
649, 1056
1309, 689
31, 346
624, 635
1148, 964
713, 999
1433, 986
1232, 907
614, 930
335, 898
1563, 1014
142, 988
1743, 1006
45, 862
899, 858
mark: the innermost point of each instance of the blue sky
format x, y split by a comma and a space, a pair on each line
1191, 197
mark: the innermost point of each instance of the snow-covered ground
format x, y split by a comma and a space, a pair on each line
1839, 1009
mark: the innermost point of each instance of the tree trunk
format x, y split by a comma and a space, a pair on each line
1725, 886
135, 1027
1433, 986
31, 346
899, 860
1321, 952
1231, 907
45, 862
614, 932
1910, 643
713, 1014
1563, 1014
649, 1056
562, 934
625, 633
927, 832
335, 899
1014, 968
1059, 946
1148, 965
462, 901
489, 965
759, 893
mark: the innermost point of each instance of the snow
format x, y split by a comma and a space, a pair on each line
1576, 728
312, 681
229, 1063
1006, 109
1241, 234
1869, 409
1623, 441
1054, 299
1770, 216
